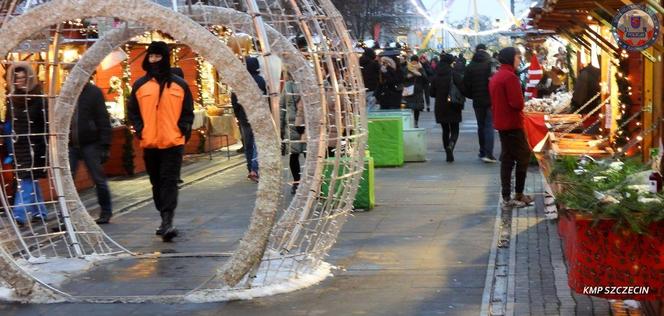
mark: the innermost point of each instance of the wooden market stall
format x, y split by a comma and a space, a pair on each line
629, 117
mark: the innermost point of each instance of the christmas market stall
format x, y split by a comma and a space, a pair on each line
597, 138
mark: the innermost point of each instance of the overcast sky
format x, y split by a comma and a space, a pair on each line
463, 8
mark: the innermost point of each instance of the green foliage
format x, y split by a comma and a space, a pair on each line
579, 193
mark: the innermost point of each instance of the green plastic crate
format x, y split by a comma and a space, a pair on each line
405, 115
366, 194
386, 141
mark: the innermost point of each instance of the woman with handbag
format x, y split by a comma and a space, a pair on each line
413, 91
449, 102
390, 88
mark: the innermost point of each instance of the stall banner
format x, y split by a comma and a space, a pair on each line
535, 127
535, 74
612, 263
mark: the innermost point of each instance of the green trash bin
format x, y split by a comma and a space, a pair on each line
386, 141
366, 196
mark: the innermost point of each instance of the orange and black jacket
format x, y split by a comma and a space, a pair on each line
162, 120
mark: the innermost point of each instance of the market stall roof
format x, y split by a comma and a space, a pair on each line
570, 15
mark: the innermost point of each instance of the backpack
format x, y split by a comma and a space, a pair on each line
456, 96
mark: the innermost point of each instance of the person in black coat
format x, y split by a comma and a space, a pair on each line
370, 76
476, 85
390, 87
447, 111
90, 141
27, 114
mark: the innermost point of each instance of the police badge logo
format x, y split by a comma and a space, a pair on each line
635, 27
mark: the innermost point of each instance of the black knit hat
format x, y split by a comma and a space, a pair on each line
159, 48
480, 47
506, 55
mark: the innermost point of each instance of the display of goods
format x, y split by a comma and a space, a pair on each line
555, 103
214, 111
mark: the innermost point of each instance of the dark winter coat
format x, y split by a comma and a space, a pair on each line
91, 122
390, 88
253, 67
28, 115
370, 69
476, 79
445, 111
420, 81
585, 88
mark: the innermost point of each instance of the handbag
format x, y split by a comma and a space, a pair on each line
408, 91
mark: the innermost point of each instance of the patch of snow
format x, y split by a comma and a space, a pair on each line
52, 271
282, 282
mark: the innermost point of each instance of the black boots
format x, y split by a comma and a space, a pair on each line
166, 229
449, 152
103, 219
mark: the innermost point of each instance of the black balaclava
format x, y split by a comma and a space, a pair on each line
506, 55
160, 71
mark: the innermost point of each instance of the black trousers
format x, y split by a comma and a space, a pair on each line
450, 134
515, 151
163, 167
91, 156
295, 166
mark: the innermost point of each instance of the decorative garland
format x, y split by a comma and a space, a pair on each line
570, 70
128, 146
624, 97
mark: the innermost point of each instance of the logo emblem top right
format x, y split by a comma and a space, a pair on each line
636, 27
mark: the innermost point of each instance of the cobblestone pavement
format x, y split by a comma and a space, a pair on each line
531, 272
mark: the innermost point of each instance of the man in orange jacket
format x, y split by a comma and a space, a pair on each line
161, 110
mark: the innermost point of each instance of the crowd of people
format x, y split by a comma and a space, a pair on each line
490, 80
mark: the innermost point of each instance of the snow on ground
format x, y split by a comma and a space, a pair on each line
52, 271
283, 282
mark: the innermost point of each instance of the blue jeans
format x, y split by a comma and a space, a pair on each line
371, 102
28, 199
91, 156
250, 152
485, 132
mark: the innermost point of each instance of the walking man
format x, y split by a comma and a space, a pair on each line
161, 109
507, 104
90, 141
476, 83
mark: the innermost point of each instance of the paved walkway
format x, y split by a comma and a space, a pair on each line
422, 251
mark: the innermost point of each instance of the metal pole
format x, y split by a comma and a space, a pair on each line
53, 139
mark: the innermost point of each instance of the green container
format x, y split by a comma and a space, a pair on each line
405, 115
366, 195
386, 141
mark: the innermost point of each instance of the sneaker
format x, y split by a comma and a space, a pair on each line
526, 200
294, 189
253, 176
507, 205
489, 159
159, 231
38, 218
169, 234
19, 223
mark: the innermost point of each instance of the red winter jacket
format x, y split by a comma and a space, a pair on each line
506, 99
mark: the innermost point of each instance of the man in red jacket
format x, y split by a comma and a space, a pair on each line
507, 107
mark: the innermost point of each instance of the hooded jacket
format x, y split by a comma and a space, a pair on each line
476, 79
27, 115
370, 69
161, 106
91, 122
506, 99
253, 67
389, 96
